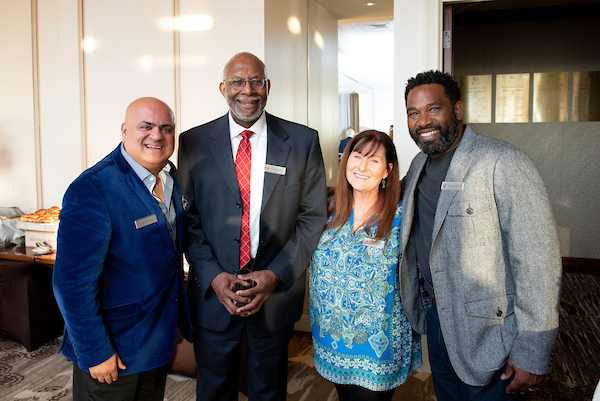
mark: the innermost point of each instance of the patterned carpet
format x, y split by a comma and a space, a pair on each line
43, 375
576, 366
575, 372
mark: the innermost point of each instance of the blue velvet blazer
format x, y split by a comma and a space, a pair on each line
119, 284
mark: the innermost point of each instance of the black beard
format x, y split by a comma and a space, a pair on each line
447, 137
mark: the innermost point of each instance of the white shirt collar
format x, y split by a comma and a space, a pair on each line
259, 127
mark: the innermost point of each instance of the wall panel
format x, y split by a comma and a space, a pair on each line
286, 56
213, 32
323, 103
133, 57
410, 57
62, 158
565, 153
17, 136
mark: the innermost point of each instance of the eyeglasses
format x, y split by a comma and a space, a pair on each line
255, 83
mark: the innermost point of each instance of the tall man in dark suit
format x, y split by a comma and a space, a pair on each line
118, 271
481, 268
268, 218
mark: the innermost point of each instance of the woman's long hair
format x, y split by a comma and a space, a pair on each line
340, 207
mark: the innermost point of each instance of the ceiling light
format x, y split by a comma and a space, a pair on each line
370, 4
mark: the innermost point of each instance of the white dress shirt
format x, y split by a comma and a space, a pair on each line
258, 144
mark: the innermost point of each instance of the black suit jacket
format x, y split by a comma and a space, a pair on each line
292, 217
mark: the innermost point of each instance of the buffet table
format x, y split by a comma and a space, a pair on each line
28, 310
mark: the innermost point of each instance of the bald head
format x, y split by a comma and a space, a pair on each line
244, 58
246, 104
149, 133
148, 102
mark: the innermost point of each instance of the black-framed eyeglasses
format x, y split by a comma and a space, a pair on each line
255, 83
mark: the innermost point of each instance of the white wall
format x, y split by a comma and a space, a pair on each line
286, 57
17, 126
323, 113
376, 110
383, 110
61, 141
366, 105
417, 48
82, 95
185, 73
133, 58
212, 33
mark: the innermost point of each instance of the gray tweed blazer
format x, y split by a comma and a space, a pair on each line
495, 261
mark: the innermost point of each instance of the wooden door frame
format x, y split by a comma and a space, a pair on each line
447, 39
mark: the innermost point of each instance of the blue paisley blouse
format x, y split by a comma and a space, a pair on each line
360, 333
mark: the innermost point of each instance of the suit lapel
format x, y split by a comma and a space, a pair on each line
456, 173
277, 154
221, 152
178, 204
408, 208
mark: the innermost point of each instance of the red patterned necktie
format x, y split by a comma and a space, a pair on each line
243, 163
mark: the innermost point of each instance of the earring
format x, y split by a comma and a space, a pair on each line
383, 183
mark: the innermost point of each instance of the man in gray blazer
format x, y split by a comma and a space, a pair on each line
286, 213
481, 269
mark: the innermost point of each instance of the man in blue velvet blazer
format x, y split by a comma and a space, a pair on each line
287, 214
118, 271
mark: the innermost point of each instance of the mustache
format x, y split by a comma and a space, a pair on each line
247, 98
428, 128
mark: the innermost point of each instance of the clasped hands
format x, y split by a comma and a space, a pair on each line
222, 284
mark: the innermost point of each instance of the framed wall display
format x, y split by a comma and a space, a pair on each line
512, 98
477, 98
586, 96
550, 96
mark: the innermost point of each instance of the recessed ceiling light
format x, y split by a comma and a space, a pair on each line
370, 4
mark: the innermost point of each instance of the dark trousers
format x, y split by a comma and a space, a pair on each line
144, 386
357, 393
448, 386
218, 355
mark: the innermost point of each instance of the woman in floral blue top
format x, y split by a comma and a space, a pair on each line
363, 342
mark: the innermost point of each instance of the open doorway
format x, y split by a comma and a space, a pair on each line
366, 68
365, 63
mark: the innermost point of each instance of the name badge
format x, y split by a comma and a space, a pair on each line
145, 221
269, 168
374, 243
453, 186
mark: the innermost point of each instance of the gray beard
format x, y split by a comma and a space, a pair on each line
234, 107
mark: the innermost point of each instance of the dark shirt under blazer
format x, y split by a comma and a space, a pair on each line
495, 261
